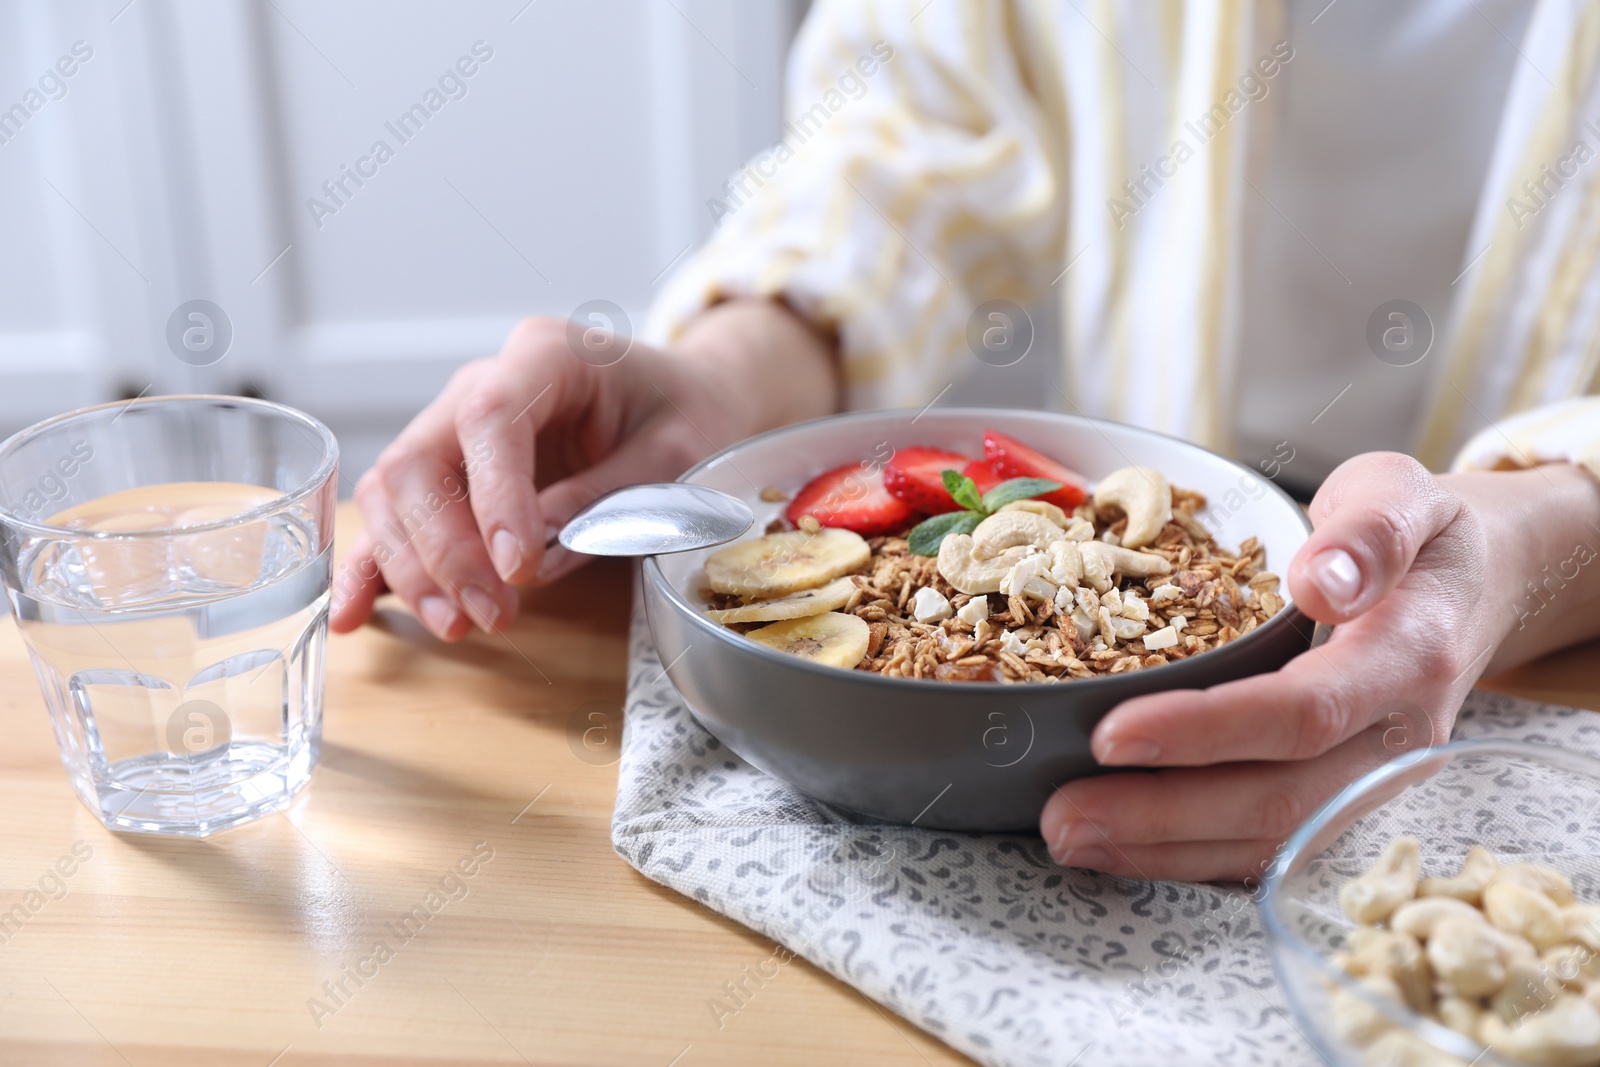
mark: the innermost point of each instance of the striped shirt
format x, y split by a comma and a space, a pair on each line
943, 153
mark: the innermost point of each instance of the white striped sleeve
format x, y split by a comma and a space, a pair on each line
916, 179
1565, 432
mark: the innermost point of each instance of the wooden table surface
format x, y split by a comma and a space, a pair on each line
554, 951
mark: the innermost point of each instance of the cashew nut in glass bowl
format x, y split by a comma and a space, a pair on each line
1481, 946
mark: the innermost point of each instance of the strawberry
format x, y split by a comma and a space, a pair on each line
983, 475
848, 497
916, 475
1012, 459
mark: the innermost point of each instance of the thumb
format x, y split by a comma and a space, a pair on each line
1371, 517
653, 453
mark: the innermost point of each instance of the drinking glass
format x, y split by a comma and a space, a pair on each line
168, 563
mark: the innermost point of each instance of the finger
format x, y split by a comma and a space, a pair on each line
357, 585
657, 452
1231, 801
496, 425
404, 573
1190, 861
1372, 516
431, 521
1317, 700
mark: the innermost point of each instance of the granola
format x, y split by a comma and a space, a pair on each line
918, 625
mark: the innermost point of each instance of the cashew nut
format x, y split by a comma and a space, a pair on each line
1459, 1014
1390, 882
1144, 497
1419, 917
1398, 956
1355, 1019
1466, 955
1040, 507
1476, 870
1010, 529
1079, 530
1517, 909
1101, 561
1547, 880
1576, 965
1581, 923
967, 573
1396, 1048
1565, 1034
1529, 987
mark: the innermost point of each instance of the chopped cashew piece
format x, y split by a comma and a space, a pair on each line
1144, 497
1029, 577
1164, 638
974, 611
929, 605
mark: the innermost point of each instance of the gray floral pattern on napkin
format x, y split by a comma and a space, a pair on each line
978, 939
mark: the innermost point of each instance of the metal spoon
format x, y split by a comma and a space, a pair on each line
645, 520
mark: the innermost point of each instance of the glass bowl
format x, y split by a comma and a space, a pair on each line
1521, 801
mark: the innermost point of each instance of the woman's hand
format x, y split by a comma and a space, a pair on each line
456, 510
1430, 580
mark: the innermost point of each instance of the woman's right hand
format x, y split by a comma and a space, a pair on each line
458, 508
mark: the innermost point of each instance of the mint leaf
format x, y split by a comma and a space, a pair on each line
964, 489
1017, 489
927, 535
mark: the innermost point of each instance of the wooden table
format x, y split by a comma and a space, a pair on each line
553, 952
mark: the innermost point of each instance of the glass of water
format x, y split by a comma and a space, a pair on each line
168, 563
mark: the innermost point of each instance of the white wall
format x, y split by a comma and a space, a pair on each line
179, 158
179, 162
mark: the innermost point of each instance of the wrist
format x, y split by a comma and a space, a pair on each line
761, 365
1542, 532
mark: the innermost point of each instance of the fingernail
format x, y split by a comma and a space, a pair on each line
556, 559
1093, 858
437, 614
507, 553
481, 607
1075, 835
1337, 575
1130, 753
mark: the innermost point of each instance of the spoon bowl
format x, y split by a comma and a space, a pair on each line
655, 518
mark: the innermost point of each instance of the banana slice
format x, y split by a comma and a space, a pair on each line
794, 606
833, 638
783, 563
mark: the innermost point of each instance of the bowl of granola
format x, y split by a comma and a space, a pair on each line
934, 610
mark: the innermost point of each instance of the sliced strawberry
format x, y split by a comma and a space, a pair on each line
850, 498
916, 475
1013, 459
983, 475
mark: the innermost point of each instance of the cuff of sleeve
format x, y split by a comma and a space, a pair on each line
1566, 432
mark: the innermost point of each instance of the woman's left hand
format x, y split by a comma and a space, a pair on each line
1429, 579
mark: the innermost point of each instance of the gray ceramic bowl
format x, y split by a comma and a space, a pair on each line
944, 755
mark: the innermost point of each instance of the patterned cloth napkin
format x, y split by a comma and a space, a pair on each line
977, 938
